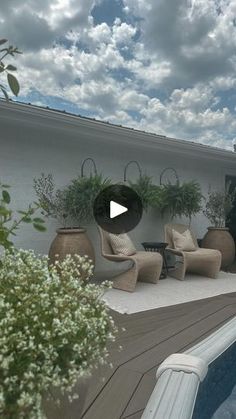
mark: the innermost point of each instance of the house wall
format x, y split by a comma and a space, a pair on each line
32, 144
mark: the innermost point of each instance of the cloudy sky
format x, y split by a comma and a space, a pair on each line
164, 66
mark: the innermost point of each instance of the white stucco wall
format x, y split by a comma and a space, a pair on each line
32, 143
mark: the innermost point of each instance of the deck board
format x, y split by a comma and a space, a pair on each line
150, 336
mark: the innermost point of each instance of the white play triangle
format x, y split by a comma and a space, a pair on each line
116, 209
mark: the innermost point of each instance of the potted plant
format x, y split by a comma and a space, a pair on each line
179, 199
218, 206
72, 206
54, 328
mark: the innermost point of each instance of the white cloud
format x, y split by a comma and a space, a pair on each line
174, 75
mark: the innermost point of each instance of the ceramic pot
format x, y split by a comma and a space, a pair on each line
71, 241
220, 239
66, 409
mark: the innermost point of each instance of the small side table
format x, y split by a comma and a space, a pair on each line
160, 248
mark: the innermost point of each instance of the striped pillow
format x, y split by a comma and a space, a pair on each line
122, 245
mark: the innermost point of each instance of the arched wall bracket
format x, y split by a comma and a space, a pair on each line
127, 166
169, 169
93, 164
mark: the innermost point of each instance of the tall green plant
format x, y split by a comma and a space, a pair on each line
51, 200
72, 205
7, 69
218, 206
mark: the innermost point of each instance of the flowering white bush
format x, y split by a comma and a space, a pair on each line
53, 329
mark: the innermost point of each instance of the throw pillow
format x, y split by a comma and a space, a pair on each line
122, 245
183, 241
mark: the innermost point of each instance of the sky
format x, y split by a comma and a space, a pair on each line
163, 66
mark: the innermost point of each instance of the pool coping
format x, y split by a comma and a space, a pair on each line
180, 375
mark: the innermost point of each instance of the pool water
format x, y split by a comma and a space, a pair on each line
228, 408
216, 397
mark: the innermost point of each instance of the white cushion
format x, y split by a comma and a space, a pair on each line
183, 241
122, 245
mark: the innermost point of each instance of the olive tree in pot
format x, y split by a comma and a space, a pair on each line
218, 206
72, 206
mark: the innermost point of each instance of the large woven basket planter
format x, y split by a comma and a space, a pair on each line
220, 239
66, 409
73, 241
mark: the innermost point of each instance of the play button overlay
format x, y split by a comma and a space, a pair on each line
118, 209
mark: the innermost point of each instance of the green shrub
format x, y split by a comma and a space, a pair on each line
53, 329
180, 200
72, 205
218, 206
80, 195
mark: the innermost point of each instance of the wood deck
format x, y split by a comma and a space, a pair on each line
123, 390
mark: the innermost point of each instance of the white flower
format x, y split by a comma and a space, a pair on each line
53, 328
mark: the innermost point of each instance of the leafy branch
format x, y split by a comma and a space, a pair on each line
8, 69
8, 224
218, 206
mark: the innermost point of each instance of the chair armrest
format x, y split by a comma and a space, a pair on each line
175, 252
117, 258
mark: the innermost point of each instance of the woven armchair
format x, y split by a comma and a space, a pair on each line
204, 262
146, 266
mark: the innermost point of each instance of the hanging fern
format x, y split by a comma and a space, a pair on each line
146, 190
180, 200
81, 194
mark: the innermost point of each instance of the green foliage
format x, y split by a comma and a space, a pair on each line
54, 328
218, 206
9, 224
180, 200
73, 204
51, 200
12, 81
80, 195
146, 190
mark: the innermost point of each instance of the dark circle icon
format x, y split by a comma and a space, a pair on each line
117, 209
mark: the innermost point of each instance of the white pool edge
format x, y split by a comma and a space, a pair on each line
179, 376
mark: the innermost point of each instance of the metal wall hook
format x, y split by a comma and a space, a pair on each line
128, 164
93, 163
173, 170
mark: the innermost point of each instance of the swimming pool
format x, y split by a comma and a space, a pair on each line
217, 386
198, 383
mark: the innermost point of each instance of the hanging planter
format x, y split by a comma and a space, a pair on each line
144, 186
178, 199
167, 174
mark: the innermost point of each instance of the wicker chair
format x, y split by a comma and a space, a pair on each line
146, 266
201, 261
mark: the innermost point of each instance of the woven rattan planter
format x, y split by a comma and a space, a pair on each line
220, 239
71, 241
